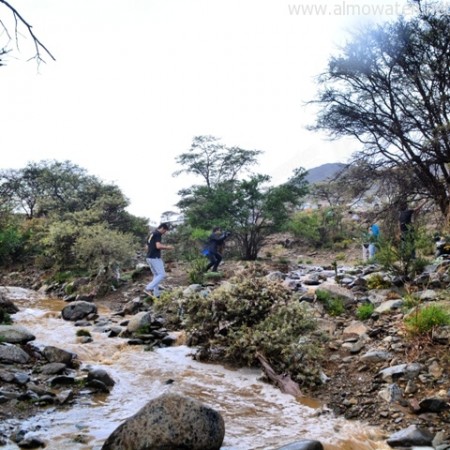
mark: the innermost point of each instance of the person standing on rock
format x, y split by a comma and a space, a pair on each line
156, 264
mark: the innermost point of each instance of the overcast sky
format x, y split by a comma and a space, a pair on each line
135, 80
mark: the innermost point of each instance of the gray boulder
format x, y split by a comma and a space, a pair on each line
12, 354
78, 310
15, 334
140, 321
412, 435
58, 355
168, 422
100, 375
7, 305
304, 444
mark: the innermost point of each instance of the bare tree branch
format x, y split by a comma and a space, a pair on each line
40, 48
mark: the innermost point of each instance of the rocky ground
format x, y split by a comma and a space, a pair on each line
356, 385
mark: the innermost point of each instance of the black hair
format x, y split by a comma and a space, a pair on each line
164, 226
216, 229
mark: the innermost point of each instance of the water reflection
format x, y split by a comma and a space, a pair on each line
257, 415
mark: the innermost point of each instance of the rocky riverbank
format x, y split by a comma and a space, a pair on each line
373, 369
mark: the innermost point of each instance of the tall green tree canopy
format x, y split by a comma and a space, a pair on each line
49, 207
389, 89
57, 188
250, 207
213, 161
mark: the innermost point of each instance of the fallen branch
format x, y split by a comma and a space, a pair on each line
283, 382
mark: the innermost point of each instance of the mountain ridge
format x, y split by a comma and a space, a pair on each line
323, 172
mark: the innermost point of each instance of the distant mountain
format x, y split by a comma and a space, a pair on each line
323, 172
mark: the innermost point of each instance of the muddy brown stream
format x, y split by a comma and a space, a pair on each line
256, 414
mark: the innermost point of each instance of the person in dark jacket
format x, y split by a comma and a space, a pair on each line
406, 216
214, 248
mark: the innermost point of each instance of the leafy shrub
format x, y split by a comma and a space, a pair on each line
344, 244
67, 276
170, 304
365, 311
340, 257
11, 244
424, 320
323, 296
334, 306
100, 247
5, 318
213, 276
82, 333
196, 271
377, 281
59, 241
400, 258
306, 226
250, 316
410, 301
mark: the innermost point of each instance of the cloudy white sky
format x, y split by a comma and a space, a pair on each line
135, 80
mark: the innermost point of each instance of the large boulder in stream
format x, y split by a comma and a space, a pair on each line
78, 310
15, 334
7, 305
170, 421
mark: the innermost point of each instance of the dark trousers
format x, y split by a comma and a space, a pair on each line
407, 245
214, 261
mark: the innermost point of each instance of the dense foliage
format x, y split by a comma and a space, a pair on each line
57, 216
247, 317
249, 207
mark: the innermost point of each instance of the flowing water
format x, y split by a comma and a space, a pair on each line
257, 415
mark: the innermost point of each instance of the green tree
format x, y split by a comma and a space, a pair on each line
388, 88
49, 208
46, 187
58, 189
250, 208
213, 161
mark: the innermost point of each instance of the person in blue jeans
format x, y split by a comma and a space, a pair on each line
370, 241
374, 234
156, 264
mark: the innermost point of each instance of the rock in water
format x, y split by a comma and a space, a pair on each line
170, 421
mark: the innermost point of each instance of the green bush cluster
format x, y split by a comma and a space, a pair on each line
377, 281
252, 316
196, 271
424, 320
405, 258
5, 318
11, 244
334, 306
322, 228
365, 311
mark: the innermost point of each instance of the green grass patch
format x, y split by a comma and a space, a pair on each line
365, 311
424, 320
